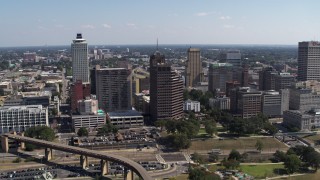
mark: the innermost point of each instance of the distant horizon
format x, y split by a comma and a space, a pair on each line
141, 22
160, 45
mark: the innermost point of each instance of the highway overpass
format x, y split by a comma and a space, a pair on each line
130, 165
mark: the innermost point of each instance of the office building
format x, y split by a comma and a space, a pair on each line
271, 103
309, 61
93, 79
303, 99
190, 105
20, 118
231, 85
80, 61
267, 79
219, 74
283, 81
193, 67
245, 102
166, 90
113, 86
232, 57
302, 120
222, 103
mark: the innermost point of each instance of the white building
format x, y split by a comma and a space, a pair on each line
88, 106
80, 62
222, 103
308, 120
20, 118
190, 105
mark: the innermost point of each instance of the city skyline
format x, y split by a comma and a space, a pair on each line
38, 23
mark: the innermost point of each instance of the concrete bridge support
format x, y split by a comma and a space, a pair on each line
84, 161
5, 143
128, 174
104, 167
48, 154
22, 144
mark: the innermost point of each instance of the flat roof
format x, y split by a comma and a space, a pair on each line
124, 113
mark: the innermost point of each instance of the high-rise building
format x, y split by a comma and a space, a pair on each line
219, 74
267, 79
113, 86
309, 61
283, 81
232, 57
193, 68
80, 62
166, 90
93, 78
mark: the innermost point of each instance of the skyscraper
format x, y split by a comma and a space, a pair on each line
193, 67
232, 57
166, 90
309, 61
80, 62
113, 87
219, 74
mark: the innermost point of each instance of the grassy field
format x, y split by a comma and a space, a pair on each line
315, 138
181, 177
262, 171
240, 143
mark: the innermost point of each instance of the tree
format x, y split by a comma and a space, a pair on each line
313, 159
106, 129
259, 145
234, 154
292, 163
210, 127
280, 156
82, 132
180, 141
230, 163
197, 158
213, 157
160, 123
40, 132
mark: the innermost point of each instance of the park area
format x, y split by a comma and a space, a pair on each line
245, 144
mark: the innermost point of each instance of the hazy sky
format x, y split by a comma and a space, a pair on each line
56, 22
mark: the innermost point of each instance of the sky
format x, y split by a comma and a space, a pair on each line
116, 22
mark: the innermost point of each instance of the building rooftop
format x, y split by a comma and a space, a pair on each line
124, 113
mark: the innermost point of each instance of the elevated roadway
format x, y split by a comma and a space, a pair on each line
129, 164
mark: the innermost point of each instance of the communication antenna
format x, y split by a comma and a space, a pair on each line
157, 45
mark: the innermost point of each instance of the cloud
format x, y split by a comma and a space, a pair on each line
59, 26
106, 26
88, 26
203, 14
225, 17
42, 27
229, 26
132, 25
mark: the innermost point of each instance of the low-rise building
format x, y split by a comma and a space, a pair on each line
20, 118
91, 122
126, 119
190, 105
308, 120
222, 103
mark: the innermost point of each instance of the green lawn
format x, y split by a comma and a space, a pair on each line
270, 144
314, 176
261, 171
181, 177
202, 131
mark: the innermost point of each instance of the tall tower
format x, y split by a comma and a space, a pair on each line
80, 62
166, 90
193, 68
113, 87
309, 61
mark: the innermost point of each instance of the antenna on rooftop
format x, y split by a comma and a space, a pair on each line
157, 45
